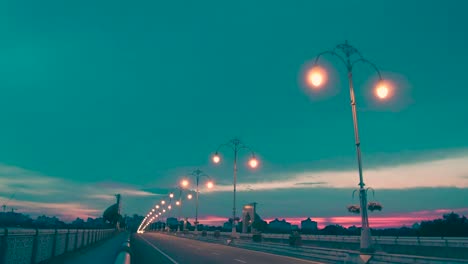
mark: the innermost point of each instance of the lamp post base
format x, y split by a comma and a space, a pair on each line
366, 241
358, 258
235, 235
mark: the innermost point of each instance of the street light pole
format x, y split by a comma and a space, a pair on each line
180, 209
196, 203
317, 80
236, 145
198, 174
366, 238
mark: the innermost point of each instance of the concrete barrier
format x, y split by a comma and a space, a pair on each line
124, 255
123, 258
38, 245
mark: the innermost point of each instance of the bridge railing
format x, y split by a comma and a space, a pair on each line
461, 242
39, 245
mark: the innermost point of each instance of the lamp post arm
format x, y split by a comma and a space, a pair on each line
332, 52
229, 145
367, 62
248, 149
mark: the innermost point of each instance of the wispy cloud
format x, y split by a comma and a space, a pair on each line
447, 172
65, 211
34, 190
39, 194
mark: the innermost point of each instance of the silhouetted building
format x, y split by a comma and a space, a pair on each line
248, 217
308, 226
278, 226
172, 223
227, 226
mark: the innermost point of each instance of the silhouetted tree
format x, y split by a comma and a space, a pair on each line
450, 225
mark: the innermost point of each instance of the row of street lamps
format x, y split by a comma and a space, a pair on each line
181, 187
236, 145
315, 78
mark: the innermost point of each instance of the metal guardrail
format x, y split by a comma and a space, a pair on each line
381, 240
38, 245
333, 255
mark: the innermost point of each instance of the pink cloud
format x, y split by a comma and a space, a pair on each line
64, 211
384, 221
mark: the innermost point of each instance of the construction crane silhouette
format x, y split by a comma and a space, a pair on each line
5, 204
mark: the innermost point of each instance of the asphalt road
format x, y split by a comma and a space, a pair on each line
159, 248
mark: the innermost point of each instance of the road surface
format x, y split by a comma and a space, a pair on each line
159, 248
103, 252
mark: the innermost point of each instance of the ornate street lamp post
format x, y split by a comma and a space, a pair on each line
198, 174
316, 77
236, 145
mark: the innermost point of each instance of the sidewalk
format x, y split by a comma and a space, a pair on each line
102, 253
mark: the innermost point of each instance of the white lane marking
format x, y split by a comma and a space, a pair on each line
241, 261
160, 251
214, 253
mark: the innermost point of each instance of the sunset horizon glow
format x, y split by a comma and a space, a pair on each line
392, 220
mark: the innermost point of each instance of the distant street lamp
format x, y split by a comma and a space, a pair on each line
198, 174
316, 77
236, 145
183, 184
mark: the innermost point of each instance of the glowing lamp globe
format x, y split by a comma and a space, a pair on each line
189, 196
184, 183
209, 184
216, 158
253, 163
316, 77
382, 90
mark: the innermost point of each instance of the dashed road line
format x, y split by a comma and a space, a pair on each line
160, 251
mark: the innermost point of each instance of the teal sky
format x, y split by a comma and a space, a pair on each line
137, 94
